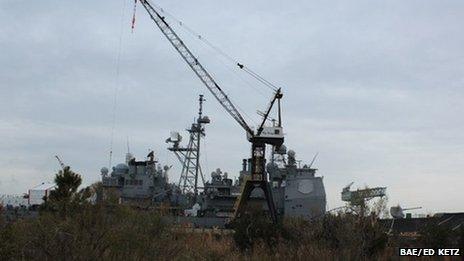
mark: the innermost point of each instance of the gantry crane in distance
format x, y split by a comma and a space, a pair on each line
357, 198
271, 135
60, 162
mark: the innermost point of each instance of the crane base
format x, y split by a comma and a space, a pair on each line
251, 185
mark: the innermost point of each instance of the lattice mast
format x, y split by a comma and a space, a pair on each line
189, 156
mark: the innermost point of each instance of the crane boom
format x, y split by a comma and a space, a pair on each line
264, 135
60, 161
196, 66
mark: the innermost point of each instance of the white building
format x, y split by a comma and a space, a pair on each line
37, 193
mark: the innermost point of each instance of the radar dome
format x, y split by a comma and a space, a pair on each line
121, 168
291, 153
104, 171
129, 157
204, 119
397, 212
281, 150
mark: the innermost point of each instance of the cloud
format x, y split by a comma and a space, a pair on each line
376, 88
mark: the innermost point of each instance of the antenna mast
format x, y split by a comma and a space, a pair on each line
189, 156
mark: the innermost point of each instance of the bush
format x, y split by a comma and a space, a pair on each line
255, 226
95, 232
433, 235
345, 234
70, 228
116, 232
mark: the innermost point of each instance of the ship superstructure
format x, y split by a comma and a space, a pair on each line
140, 182
297, 191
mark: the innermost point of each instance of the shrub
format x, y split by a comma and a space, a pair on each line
435, 235
255, 226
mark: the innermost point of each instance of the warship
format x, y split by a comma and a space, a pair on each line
141, 183
296, 190
285, 188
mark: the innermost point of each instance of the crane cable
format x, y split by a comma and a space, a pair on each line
218, 50
133, 16
115, 95
247, 82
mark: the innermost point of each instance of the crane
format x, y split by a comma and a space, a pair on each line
357, 198
271, 135
60, 162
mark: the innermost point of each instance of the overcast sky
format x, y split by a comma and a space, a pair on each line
376, 87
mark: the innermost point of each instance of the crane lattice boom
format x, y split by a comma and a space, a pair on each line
265, 135
193, 62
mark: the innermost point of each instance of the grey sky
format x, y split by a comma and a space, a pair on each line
376, 87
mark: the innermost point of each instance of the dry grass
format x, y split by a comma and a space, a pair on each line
105, 232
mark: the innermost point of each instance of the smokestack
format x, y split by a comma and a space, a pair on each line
244, 165
249, 165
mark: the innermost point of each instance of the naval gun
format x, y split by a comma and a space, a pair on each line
397, 212
264, 135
